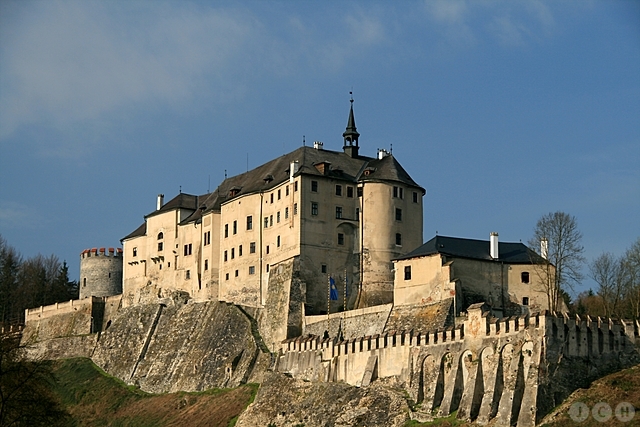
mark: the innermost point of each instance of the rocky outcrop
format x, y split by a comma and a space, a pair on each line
283, 401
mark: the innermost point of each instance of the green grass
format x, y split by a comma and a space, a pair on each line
94, 398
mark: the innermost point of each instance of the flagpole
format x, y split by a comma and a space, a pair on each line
328, 300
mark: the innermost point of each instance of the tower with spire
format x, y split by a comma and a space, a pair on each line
351, 134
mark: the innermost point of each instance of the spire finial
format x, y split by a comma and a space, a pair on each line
351, 135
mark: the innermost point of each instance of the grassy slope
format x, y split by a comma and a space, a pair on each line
94, 398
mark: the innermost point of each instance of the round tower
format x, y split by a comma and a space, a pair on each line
100, 272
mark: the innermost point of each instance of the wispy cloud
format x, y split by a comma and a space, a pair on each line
71, 65
508, 23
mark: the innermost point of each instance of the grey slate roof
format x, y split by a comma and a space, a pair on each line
514, 253
275, 172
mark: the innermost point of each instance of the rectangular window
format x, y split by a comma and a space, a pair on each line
226, 230
407, 272
278, 216
235, 227
338, 190
271, 197
159, 246
252, 247
240, 250
286, 213
278, 241
314, 208
349, 191
270, 220
225, 256
266, 222
524, 277
252, 269
279, 193
339, 212
135, 252
226, 276
323, 268
207, 238
359, 191
267, 249
295, 186
267, 268
314, 186
187, 249
398, 192
525, 300
206, 264
187, 274
250, 222
233, 253
398, 214
236, 273
415, 197
295, 209
398, 239
340, 239
286, 190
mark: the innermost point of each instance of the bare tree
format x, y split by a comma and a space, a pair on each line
631, 277
608, 272
560, 256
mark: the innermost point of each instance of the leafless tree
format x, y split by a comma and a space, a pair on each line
561, 257
608, 272
631, 277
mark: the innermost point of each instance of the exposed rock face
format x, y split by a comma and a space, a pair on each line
179, 347
283, 401
167, 347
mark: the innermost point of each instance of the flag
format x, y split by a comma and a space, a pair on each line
334, 290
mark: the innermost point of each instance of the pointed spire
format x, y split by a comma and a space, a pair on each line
351, 134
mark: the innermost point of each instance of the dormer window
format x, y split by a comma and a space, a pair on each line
268, 178
234, 191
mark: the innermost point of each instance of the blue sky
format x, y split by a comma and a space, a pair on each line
504, 111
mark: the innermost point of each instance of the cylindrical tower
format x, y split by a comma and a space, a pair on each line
100, 272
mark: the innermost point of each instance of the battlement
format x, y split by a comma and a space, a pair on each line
94, 252
46, 311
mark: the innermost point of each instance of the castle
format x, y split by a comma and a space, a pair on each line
323, 252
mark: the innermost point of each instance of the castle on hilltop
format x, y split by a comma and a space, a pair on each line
344, 218
313, 264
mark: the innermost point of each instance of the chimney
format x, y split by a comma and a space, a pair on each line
160, 201
382, 153
544, 248
494, 245
293, 170
318, 145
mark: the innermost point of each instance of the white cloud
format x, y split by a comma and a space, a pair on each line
71, 65
16, 215
69, 62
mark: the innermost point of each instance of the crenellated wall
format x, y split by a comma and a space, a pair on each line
486, 369
100, 272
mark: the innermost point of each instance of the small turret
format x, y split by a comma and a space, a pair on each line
351, 134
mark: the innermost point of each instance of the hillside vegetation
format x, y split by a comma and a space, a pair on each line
93, 398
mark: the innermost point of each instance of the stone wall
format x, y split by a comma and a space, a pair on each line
349, 324
100, 272
58, 320
505, 371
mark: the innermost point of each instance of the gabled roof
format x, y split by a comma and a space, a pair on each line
140, 231
275, 172
514, 253
181, 201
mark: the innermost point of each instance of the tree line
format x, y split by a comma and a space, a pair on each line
31, 282
556, 244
